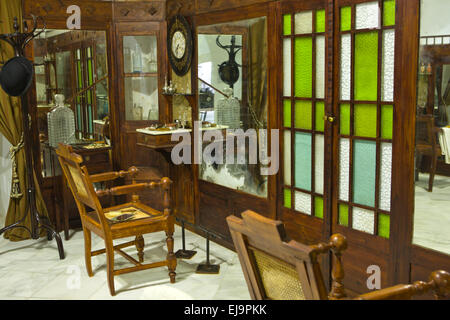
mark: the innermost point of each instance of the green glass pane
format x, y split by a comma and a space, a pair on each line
287, 198
366, 66
88, 96
287, 113
320, 113
318, 207
320, 20
364, 172
343, 215
80, 83
303, 115
79, 119
287, 26
345, 119
384, 224
387, 121
346, 18
303, 67
303, 149
366, 120
389, 13
90, 72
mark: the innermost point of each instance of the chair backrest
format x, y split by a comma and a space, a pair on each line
278, 269
425, 130
79, 181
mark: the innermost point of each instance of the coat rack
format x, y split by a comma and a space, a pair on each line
19, 40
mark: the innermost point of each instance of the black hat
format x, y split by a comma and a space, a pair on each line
16, 76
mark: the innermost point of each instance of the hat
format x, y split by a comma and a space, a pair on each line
16, 76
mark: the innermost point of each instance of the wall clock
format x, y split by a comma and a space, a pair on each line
180, 45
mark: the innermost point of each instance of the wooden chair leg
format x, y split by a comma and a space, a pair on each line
432, 173
87, 251
171, 259
110, 266
140, 247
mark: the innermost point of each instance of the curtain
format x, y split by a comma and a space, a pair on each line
11, 128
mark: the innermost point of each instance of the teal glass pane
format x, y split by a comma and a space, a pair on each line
320, 20
287, 24
364, 172
303, 67
287, 113
346, 18
79, 119
366, 66
303, 115
389, 13
90, 129
320, 113
303, 149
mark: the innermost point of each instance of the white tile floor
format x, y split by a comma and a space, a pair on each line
31, 269
432, 214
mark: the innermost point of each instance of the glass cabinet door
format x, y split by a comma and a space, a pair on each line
140, 71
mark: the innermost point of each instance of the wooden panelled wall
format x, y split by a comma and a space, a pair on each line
206, 204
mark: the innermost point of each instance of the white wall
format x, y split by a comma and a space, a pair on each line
434, 17
5, 178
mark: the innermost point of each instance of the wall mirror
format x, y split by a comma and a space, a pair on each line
232, 91
72, 72
432, 170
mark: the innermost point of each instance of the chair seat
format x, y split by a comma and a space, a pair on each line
155, 220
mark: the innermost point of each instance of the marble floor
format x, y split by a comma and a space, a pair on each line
31, 269
432, 214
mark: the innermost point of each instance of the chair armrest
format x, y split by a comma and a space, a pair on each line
133, 188
109, 176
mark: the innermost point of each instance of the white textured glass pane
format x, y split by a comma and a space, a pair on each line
346, 66
367, 15
319, 160
320, 67
287, 158
287, 67
385, 176
303, 22
344, 169
303, 202
363, 220
388, 65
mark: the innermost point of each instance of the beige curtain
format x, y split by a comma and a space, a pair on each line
11, 128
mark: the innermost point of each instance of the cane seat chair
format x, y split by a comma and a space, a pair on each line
108, 224
427, 145
278, 269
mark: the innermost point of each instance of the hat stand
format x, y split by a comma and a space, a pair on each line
19, 41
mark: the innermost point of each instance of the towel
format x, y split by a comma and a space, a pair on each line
444, 141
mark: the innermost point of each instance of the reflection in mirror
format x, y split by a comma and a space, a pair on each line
71, 88
232, 82
432, 152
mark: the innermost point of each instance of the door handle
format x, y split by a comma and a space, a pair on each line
329, 118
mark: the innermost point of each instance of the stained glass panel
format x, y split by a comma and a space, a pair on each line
364, 170
303, 67
343, 215
303, 166
344, 169
287, 158
366, 66
363, 220
303, 202
387, 85
384, 224
366, 120
287, 113
303, 114
320, 20
367, 15
386, 176
320, 67
389, 13
346, 18
287, 54
287, 198
319, 163
345, 119
303, 22
346, 66
320, 112
318, 207
287, 24
387, 121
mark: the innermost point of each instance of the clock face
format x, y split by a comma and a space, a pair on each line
178, 44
